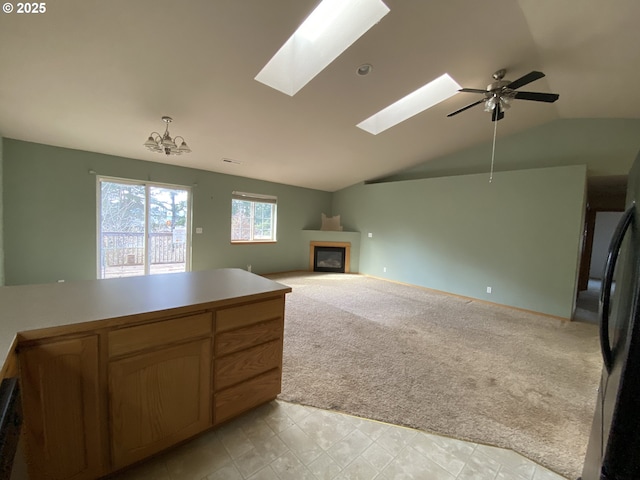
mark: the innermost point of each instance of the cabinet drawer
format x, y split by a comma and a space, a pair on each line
150, 335
241, 338
235, 317
240, 398
248, 363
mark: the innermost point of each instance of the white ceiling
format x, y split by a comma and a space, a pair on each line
97, 75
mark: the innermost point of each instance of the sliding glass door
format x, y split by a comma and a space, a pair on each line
143, 228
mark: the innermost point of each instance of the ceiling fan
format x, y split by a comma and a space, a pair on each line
498, 95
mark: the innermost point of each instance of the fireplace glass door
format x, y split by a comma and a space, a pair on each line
329, 259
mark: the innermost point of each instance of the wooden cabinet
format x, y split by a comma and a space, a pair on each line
248, 357
159, 385
158, 399
242, 338
60, 393
233, 401
248, 363
102, 394
158, 334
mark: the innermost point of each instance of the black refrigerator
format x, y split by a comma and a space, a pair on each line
613, 452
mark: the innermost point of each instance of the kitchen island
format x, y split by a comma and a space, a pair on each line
113, 371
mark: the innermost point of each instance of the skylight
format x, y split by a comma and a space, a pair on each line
327, 32
425, 97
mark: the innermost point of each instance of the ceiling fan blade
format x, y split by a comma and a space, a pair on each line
497, 113
537, 96
466, 108
472, 90
528, 78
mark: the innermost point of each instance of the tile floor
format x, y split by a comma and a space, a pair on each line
285, 441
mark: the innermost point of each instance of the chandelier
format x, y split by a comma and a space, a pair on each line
164, 143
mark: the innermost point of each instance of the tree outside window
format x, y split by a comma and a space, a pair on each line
253, 218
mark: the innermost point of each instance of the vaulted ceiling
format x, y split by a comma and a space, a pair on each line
98, 75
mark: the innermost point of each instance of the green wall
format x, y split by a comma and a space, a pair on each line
519, 234
606, 146
50, 213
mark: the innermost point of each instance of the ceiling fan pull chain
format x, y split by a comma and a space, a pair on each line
493, 149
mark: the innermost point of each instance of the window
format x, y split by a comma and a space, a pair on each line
253, 217
143, 228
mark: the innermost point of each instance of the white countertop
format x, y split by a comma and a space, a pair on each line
33, 307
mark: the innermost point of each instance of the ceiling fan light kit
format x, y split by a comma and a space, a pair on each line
164, 143
499, 94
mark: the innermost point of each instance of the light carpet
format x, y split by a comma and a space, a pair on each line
445, 364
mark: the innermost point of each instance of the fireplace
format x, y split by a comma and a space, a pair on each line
330, 257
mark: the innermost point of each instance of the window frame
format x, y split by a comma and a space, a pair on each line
147, 185
255, 198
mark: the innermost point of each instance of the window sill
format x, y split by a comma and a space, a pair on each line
253, 242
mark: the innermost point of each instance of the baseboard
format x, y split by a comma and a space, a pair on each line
442, 292
473, 299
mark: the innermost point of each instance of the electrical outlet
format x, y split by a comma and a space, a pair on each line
384, 269
249, 267
370, 235
488, 289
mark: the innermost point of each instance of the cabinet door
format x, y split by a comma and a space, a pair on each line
158, 399
60, 400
